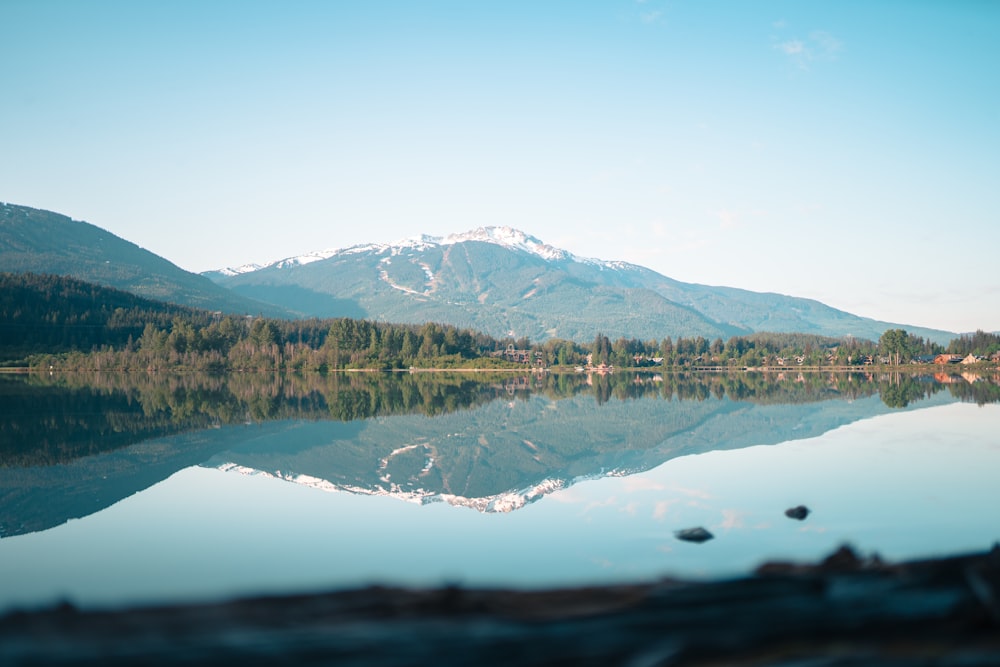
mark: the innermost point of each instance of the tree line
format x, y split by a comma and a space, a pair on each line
60, 321
67, 323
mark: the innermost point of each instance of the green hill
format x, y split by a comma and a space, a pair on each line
37, 241
48, 314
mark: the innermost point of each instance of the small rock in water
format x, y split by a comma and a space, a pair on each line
698, 534
799, 512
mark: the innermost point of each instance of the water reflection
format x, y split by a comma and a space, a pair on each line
200, 488
46, 420
73, 445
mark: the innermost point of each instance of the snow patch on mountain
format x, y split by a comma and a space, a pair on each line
305, 259
246, 268
506, 237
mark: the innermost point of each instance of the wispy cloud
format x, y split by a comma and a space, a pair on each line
733, 219
639, 483
732, 519
729, 219
662, 507
792, 47
819, 46
827, 45
629, 509
597, 504
651, 16
694, 493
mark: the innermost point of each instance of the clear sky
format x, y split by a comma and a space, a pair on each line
843, 151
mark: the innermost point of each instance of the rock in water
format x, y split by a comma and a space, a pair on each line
798, 513
698, 534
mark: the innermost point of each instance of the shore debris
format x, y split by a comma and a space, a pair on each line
846, 610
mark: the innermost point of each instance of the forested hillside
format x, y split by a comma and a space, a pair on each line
38, 241
108, 328
51, 314
69, 324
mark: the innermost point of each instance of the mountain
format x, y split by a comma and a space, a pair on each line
494, 279
38, 241
507, 283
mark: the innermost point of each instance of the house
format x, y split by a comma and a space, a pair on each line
971, 359
512, 354
944, 359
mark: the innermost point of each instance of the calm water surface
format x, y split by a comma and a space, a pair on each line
208, 489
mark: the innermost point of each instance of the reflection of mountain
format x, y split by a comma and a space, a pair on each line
55, 420
41, 497
493, 445
503, 455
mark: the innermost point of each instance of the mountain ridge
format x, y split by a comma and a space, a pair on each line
507, 282
504, 236
44, 242
498, 280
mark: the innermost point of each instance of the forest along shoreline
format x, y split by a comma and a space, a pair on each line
58, 323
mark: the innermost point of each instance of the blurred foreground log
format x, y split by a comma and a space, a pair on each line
843, 611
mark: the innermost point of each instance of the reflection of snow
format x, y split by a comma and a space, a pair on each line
499, 503
384, 463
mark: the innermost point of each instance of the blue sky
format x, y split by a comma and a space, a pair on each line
842, 151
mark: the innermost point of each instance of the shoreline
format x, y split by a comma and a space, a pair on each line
534, 370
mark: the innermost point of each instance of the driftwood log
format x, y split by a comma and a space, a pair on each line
843, 611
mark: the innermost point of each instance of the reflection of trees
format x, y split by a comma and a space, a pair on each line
50, 419
898, 390
47, 423
980, 390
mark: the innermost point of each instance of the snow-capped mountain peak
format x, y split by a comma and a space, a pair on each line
237, 270
507, 237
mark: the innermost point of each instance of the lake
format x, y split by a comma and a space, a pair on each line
118, 490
